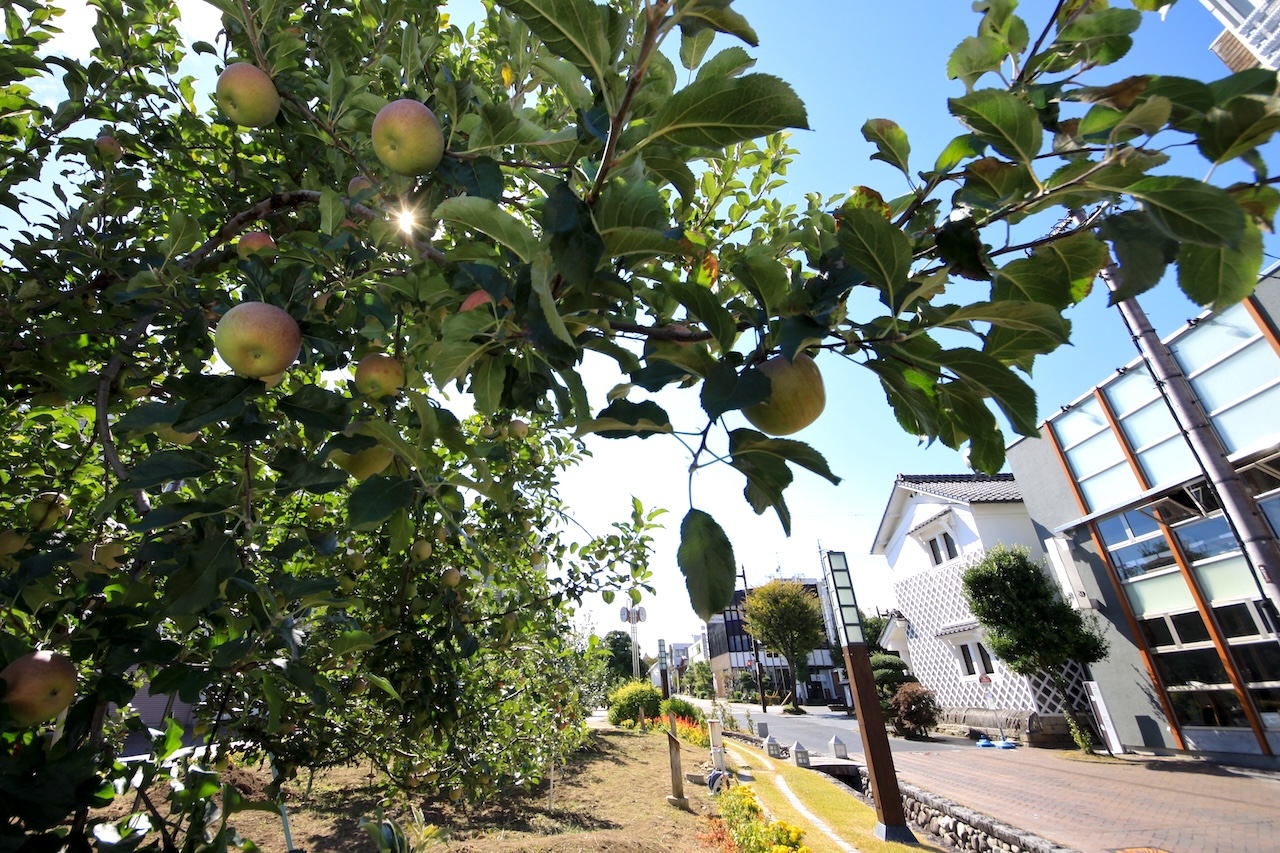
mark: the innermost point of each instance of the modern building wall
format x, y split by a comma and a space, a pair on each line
1195, 657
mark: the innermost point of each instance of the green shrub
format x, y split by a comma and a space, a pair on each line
683, 708
626, 702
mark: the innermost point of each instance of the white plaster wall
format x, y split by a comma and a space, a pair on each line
1008, 524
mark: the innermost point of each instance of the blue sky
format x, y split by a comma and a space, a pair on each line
848, 61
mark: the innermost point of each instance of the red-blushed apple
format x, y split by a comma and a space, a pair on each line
518, 429
109, 148
451, 577
796, 400
247, 95
256, 243
358, 184
47, 510
364, 463
257, 339
379, 375
39, 686
407, 138
475, 299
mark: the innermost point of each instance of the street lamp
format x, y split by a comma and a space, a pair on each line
891, 821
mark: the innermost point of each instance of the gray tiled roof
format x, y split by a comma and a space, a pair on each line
970, 488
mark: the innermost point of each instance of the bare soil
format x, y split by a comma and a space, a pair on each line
610, 797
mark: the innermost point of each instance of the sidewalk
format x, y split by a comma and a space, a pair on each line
1178, 805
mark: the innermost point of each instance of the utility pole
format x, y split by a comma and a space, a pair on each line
1238, 506
755, 645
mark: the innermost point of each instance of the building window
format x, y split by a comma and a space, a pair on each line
976, 659
1135, 544
942, 548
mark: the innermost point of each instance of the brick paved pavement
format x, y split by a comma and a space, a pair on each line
1176, 805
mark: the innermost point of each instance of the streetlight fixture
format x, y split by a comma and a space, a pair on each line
891, 821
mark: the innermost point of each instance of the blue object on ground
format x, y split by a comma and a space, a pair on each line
983, 742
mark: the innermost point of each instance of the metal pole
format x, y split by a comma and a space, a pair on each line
635, 651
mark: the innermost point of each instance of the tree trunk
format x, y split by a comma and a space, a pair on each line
1082, 725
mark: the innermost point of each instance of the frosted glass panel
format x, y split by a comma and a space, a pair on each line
1168, 462
1254, 366
1251, 424
1159, 594
1150, 424
1227, 580
1214, 338
1082, 421
1110, 487
1094, 454
1131, 391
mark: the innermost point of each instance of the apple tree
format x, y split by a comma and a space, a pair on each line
332, 522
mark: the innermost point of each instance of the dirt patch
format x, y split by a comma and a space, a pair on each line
611, 797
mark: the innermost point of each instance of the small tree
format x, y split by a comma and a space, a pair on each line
786, 617
618, 644
872, 628
914, 710
1029, 625
698, 680
890, 672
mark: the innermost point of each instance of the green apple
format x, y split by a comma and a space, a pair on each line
796, 400
257, 339
11, 542
47, 510
421, 551
247, 95
315, 512
171, 435
109, 148
407, 138
365, 463
451, 577
379, 375
255, 243
40, 686
518, 429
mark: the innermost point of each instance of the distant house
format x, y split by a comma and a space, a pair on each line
733, 660
934, 526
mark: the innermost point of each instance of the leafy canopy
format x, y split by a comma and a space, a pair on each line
785, 616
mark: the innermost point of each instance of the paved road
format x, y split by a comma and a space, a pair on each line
1176, 805
816, 728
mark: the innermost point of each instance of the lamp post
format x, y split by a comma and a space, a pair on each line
891, 821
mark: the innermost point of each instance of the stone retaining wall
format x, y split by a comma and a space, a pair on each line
959, 827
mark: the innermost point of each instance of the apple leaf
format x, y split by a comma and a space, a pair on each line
211, 398
974, 57
572, 29
725, 390
890, 141
706, 559
720, 111
703, 306
1239, 127
481, 214
729, 62
1218, 277
1190, 211
1022, 316
696, 15
168, 466
1058, 274
318, 408
1142, 252
376, 499
1002, 119
880, 252
623, 419
989, 378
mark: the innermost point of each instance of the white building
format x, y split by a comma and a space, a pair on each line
933, 527
1250, 32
